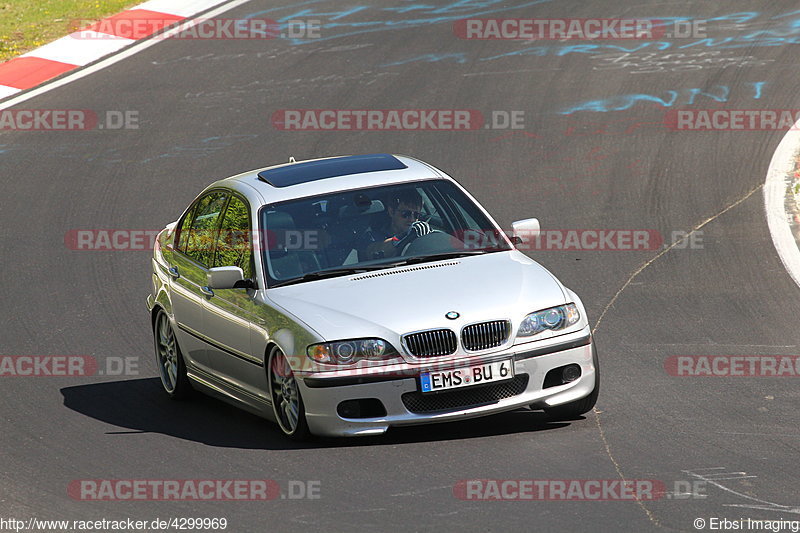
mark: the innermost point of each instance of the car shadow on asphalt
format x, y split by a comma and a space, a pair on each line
140, 406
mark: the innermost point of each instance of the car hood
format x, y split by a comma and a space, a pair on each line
392, 302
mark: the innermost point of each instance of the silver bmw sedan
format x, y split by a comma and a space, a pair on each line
347, 295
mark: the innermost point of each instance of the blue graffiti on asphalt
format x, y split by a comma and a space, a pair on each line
758, 86
723, 43
718, 93
458, 57
542, 51
786, 31
335, 25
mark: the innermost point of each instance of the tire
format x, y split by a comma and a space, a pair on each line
287, 404
171, 366
573, 410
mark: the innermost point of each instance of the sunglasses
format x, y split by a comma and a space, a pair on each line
407, 213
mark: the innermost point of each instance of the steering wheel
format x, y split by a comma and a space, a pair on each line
433, 240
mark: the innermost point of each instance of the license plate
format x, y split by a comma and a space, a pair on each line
466, 376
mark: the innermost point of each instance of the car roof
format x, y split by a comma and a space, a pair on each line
328, 175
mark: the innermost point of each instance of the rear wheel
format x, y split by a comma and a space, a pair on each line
171, 366
287, 404
573, 410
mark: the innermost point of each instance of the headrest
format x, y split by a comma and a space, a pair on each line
365, 208
279, 220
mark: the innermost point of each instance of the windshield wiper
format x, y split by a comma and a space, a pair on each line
322, 274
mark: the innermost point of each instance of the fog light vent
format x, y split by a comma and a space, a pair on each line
562, 375
361, 408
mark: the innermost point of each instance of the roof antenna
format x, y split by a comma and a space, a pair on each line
291, 159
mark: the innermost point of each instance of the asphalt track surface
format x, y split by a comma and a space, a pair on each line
205, 108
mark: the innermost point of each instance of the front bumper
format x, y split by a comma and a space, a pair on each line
322, 395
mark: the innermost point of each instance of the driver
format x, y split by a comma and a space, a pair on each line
404, 210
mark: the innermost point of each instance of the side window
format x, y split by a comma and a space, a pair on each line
203, 232
185, 229
233, 245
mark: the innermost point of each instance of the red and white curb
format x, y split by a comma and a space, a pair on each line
86, 45
776, 186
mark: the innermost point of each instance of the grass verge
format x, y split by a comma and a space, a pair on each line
28, 24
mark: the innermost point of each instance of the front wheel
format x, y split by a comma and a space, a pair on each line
171, 366
287, 404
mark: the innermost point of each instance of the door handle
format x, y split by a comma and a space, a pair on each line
173, 271
207, 291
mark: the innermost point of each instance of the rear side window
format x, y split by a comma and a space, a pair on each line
234, 245
203, 231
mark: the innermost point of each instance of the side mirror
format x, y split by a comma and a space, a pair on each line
229, 277
523, 230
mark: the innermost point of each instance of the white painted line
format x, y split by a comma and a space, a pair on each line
780, 167
768, 506
80, 48
138, 47
183, 8
5, 90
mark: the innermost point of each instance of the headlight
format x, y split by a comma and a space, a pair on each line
554, 319
347, 352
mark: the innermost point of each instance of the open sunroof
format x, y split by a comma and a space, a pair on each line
297, 173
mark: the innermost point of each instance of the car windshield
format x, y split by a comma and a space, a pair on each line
366, 229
